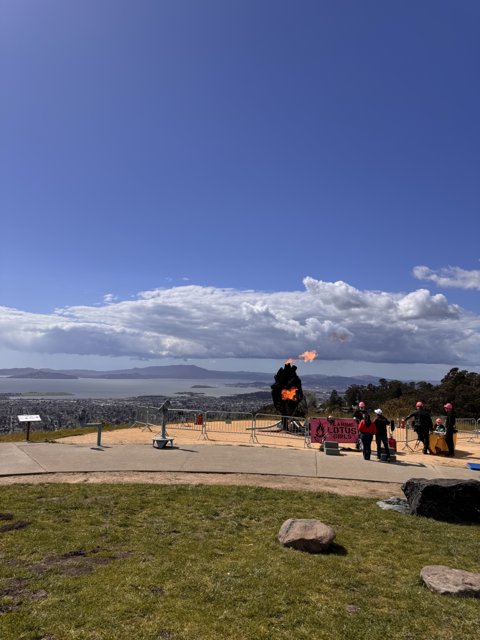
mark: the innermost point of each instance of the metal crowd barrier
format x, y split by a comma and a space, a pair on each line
150, 418
405, 436
285, 427
466, 428
261, 427
188, 420
147, 417
239, 422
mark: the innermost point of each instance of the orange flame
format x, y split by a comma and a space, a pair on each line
308, 356
290, 361
289, 394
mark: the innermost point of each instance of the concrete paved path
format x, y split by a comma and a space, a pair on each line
25, 458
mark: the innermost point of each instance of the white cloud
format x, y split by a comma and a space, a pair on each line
453, 277
421, 304
333, 318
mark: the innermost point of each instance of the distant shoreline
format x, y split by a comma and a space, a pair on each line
37, 394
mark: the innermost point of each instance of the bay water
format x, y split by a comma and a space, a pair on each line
103, 388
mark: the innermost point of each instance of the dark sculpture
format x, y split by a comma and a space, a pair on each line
287, 393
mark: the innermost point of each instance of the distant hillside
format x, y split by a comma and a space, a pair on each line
44, 375
190, 372
337, 382
179, 372
16, 371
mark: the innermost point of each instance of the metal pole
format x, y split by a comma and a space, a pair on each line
99, 431
164, 408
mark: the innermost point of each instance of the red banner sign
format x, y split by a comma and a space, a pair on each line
333, 430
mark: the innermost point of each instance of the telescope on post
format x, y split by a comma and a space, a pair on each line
162, 439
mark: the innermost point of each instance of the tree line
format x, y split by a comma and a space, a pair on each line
397, 398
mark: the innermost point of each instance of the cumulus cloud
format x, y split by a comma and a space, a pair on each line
335, 319
453, 277
421, 304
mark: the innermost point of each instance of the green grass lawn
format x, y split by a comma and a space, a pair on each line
150, 562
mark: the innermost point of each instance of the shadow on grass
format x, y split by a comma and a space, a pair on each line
336, 550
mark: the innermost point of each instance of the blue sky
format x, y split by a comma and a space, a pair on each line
233, 183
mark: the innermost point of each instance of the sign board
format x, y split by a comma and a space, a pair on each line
33, 418
333, 430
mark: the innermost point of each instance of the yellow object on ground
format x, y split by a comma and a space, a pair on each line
437, 444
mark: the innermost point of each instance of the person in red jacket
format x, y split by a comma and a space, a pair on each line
367, 430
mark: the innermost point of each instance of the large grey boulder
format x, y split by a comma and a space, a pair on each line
450, 500
445, 580
306, 535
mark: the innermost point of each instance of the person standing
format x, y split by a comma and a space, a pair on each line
359, 414
367, 431
450, 429
422, 424
381, 435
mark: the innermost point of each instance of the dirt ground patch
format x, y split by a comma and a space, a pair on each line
341, 487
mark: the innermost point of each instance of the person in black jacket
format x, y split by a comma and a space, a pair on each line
450, 429
422, 424
381, 436
359, 414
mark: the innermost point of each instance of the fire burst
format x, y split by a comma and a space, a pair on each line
308, 356
289, 394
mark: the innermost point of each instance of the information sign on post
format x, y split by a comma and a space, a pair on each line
28, 419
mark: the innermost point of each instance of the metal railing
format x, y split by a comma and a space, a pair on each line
232, 422
149, 417
467, 429
144, 417
262, 428
284, 427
